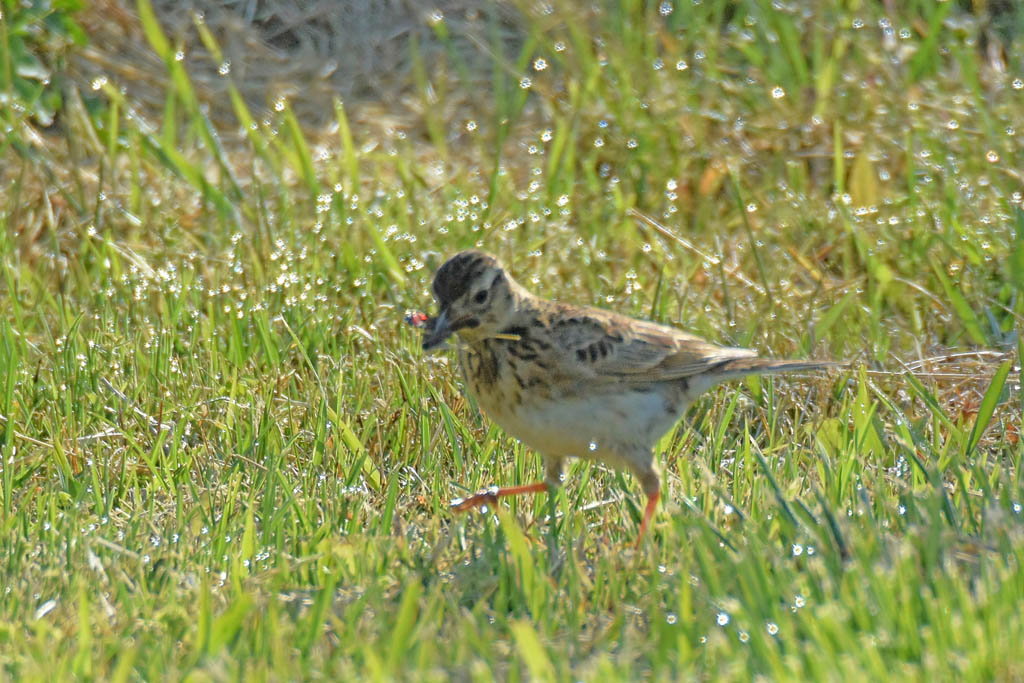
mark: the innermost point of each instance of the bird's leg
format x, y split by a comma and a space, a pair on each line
649, 479
652, 504
490, 496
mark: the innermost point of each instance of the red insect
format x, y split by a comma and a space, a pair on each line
417, 319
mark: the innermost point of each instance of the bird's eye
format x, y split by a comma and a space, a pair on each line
480, 296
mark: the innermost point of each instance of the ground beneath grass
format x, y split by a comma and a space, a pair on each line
224, 454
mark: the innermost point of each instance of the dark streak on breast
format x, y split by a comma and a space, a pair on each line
483, 364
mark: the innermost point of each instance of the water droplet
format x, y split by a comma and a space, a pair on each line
1018, 84
45, 608
778, 93
992, 156
665, 8
659, 64
681, 65
435, 17
525, 82
225, 68
559, 46
722, 618
671, 619
592, 446
797, 550
744, 636
953, 124
772, 627
540, 64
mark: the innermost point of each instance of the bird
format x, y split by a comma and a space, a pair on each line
575, 381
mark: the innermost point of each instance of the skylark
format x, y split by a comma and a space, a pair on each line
575, 381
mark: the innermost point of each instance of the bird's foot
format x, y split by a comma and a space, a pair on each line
488, 496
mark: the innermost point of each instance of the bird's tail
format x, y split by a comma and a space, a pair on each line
739, 367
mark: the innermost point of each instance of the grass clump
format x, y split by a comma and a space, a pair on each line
223, 454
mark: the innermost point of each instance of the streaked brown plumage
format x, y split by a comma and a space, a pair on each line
575, 381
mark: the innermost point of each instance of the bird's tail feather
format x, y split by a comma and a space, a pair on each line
739, 367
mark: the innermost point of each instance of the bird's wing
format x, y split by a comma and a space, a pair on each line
606, 345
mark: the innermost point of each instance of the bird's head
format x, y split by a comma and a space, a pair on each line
476, 298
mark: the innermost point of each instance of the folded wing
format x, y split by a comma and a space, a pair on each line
618, 348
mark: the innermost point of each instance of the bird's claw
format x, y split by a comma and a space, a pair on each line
488, 496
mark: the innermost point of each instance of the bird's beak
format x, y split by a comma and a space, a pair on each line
437, 331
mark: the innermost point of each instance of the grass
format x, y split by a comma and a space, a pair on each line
224, 455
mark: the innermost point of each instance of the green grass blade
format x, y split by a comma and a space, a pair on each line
987, 408
964, 310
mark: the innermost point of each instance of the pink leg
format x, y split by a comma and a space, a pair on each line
652, 504
490, 496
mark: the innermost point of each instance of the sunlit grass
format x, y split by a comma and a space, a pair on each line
224, 453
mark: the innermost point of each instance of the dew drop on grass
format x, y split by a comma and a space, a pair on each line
778, 93
45, 608
671, 619
665, 9
225, 68
592, 446
992, 156
722, 618
681, 65
525, 82
953, 124
559, 46
743, 636
540, 64
1018, 84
